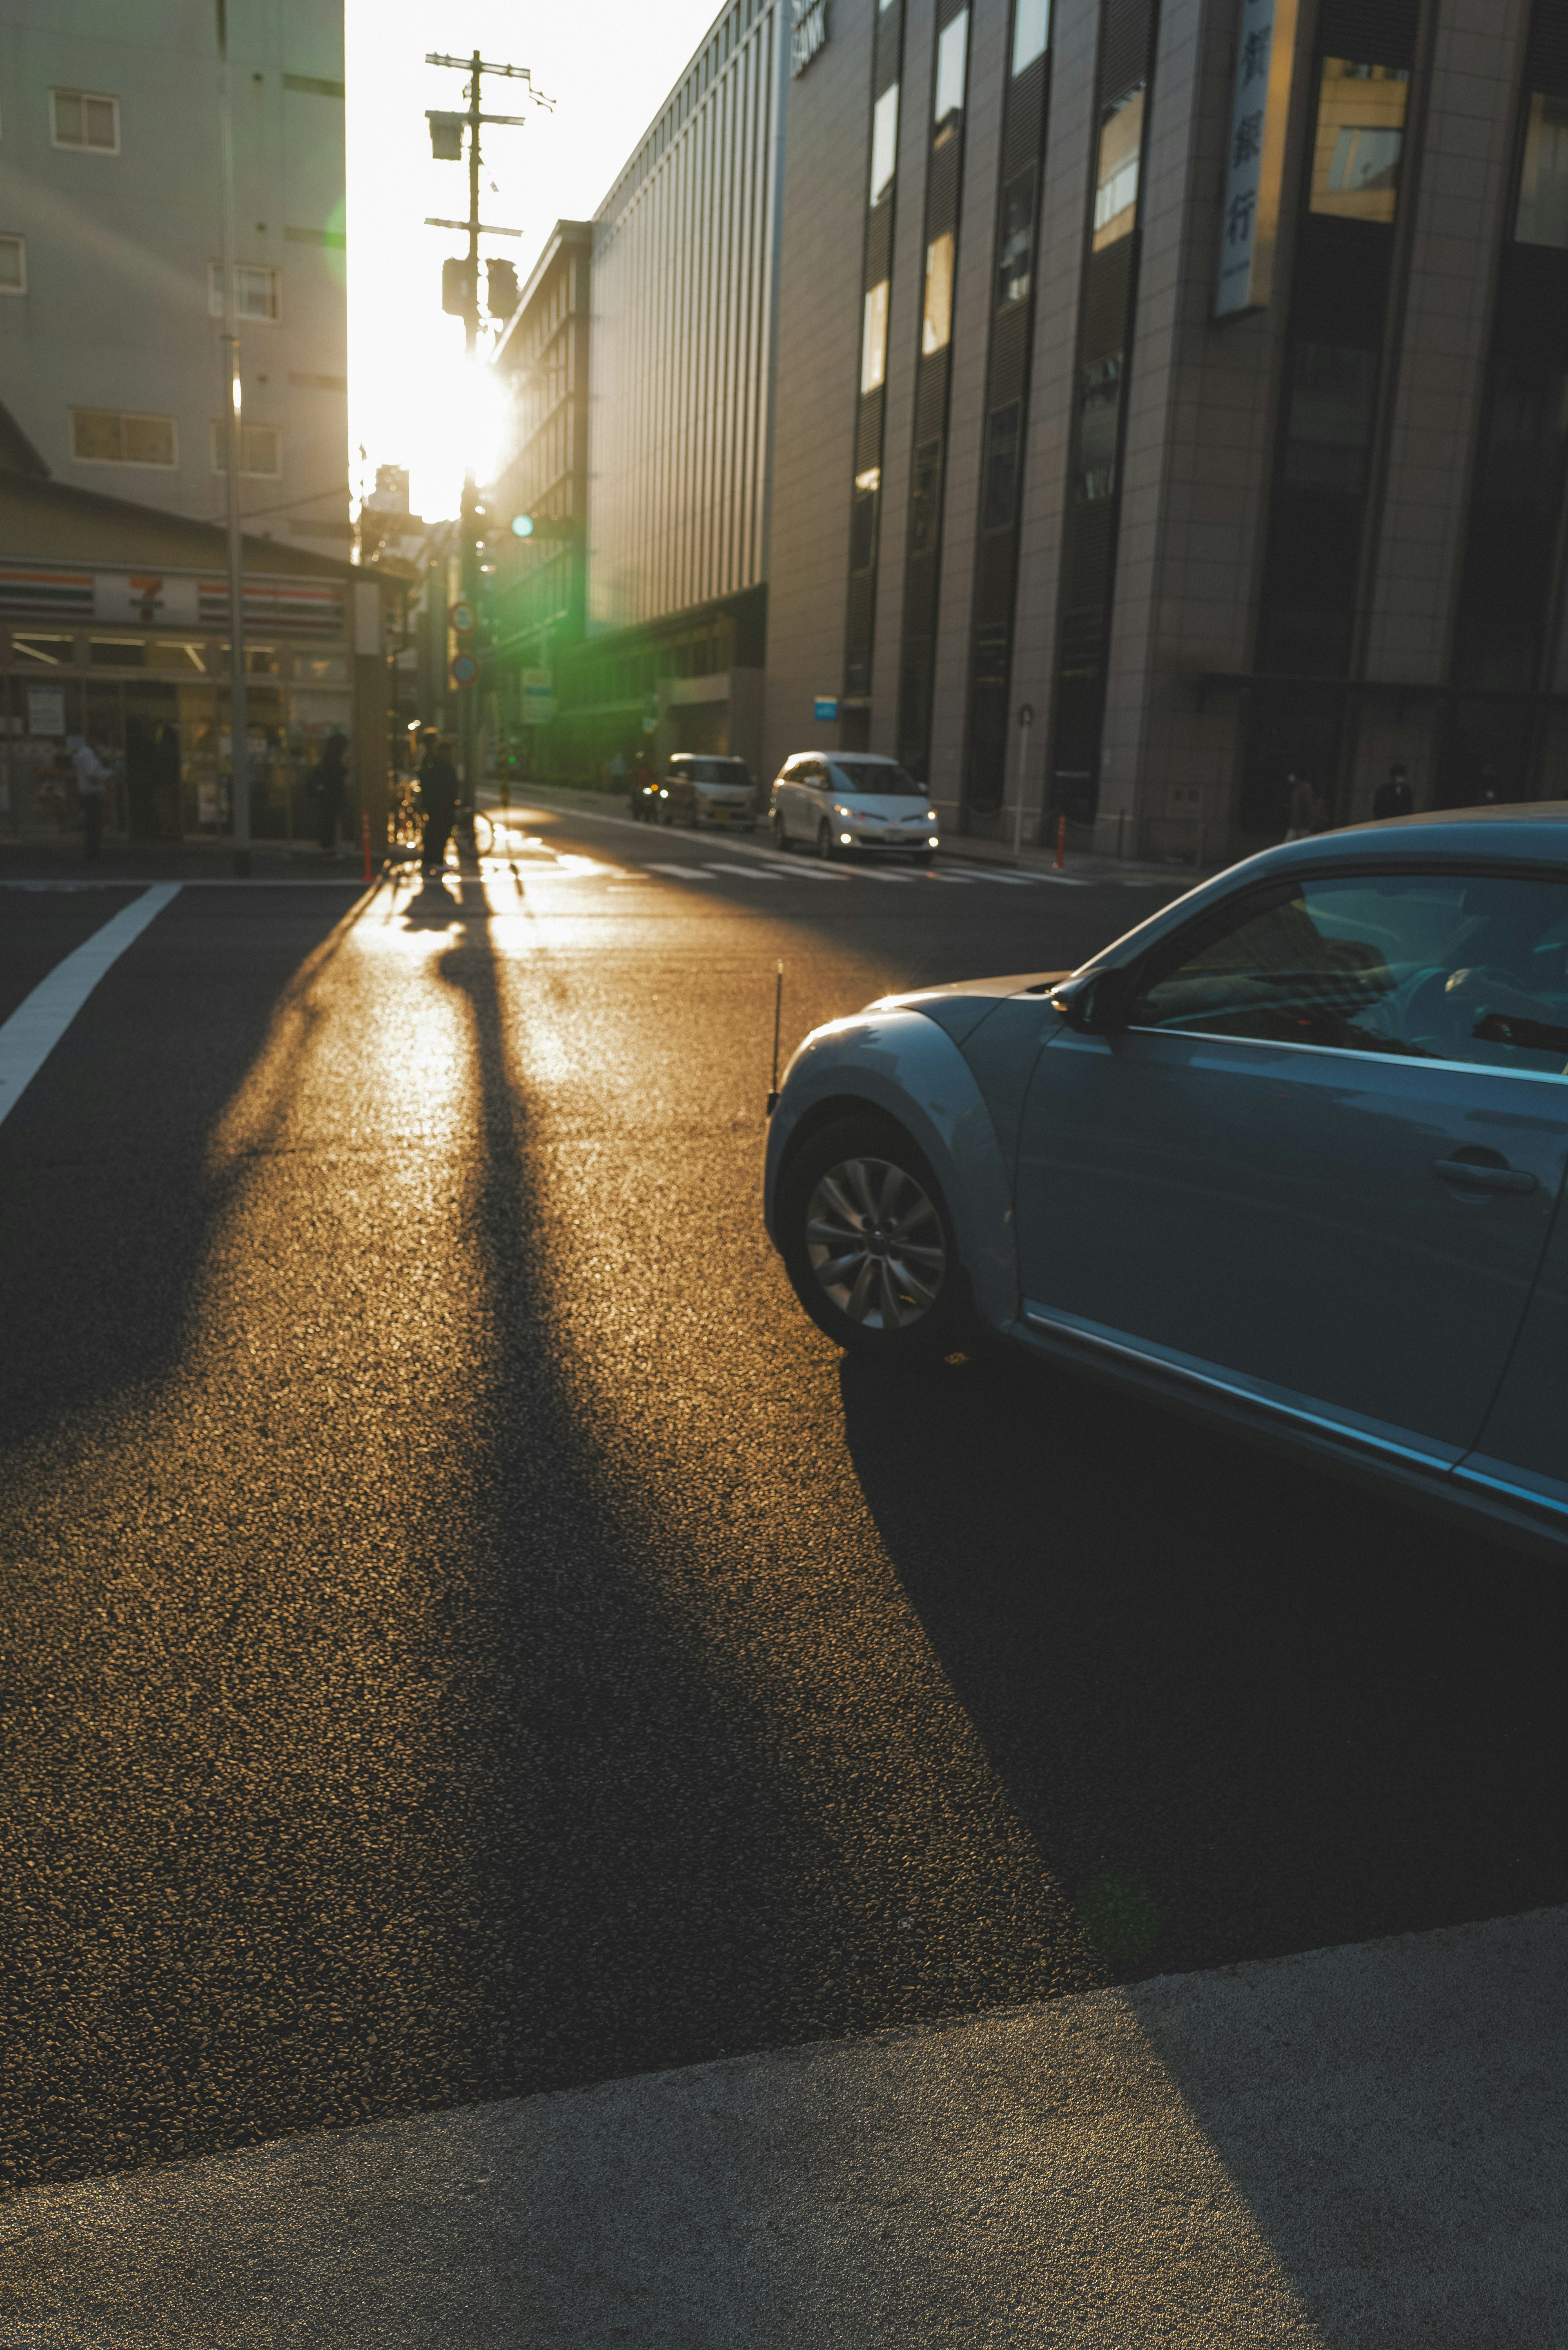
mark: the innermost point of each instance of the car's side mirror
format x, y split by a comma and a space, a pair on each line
1095, 1003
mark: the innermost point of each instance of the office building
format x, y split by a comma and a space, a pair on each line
1187, 377
110, 282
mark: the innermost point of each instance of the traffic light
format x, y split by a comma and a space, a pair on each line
502, 287
446, 136
457, 289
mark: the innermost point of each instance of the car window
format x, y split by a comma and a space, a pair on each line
877, 777
718, 771
1453, 967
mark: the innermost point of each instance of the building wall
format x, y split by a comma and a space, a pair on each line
115, 316
683, 336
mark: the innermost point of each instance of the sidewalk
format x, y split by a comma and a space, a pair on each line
957, 848
1361, 2148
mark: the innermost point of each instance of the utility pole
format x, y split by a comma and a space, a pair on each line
474, 67
239, 728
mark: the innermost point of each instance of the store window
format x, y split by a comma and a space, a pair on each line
13, 265
1031, 32
106, 436
884, 143
80, 117
937, 320
1116, 177
1360, 139
1542, 216
261, 450
953, 57
1015, 242
258, 293
874, 337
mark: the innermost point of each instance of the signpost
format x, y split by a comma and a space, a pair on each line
1025, 721
464, 669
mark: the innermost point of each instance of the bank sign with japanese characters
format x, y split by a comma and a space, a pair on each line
1254, 160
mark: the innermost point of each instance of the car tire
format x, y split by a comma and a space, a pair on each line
884, 1302
826, 846
776, 827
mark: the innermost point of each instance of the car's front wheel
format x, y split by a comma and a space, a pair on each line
868, 1243
826, 846
776, 827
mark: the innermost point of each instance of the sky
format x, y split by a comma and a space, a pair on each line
606, 63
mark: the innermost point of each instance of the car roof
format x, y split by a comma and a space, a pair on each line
1528, 831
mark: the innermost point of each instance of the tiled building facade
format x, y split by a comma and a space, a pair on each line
1022, 462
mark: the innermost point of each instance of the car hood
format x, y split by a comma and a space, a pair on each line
899, 806
960, 1008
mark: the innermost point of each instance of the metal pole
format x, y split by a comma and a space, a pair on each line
239, 734
468, 695
1026, 720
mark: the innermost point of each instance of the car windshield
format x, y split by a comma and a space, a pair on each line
873, 777
716, 771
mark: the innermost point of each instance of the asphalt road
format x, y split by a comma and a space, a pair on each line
464, 1631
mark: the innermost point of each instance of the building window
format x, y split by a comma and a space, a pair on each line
874, 339
1000, 468
1015, 246
1543, 216
1115, 176
926, 505
261, 450
1360, 137
1099, 413
863, 519
258, 291
953, 57
13, 265
884, 143
1031, 32
1333, 390
937, 320
82, 119
103, 436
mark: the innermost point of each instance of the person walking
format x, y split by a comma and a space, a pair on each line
438, 801
325, 784
1395, 797
92, 791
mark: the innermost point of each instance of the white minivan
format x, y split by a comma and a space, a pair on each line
836, 802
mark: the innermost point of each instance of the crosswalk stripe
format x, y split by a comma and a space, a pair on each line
747, 872
680, 872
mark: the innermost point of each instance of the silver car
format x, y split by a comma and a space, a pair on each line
840, 802
1289, 1154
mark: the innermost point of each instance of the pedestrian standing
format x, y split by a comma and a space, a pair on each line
437, 800
1309, 812
325, 784
92, 790
1395, 797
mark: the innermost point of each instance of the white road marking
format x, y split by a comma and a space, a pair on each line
680, 872
748, 872
41, 1019
870, 874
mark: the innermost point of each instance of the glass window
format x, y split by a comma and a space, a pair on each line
1360, 137
1543, 216
261, 450
937, 321
873, 779
1334, 391
1015, 244
256, 290
1031, 32
863, 519
103, 436
13, 265
1455, 967
79, 118
1527, 435
1099, 414
1115, 175
925, 504
884, 143
874, 337
953, 56
1000, 468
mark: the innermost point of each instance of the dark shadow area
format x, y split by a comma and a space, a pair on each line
1242, 1708
41, 927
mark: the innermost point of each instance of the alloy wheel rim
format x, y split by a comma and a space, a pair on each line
874, 1240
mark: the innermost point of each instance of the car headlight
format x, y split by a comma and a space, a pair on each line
933, 842
930, 816
664, 796
843, 840
847, 814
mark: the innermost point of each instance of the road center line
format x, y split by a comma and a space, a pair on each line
41, 1019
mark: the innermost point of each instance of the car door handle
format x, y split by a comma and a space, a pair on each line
1483, 1178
